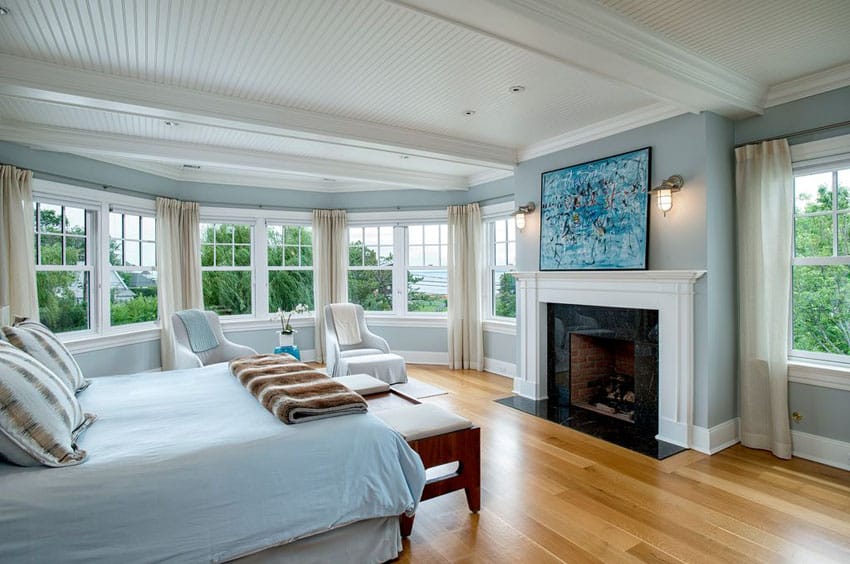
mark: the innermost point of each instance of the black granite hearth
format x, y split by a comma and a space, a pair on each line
615, 431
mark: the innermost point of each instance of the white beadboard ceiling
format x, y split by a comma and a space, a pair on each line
371, 93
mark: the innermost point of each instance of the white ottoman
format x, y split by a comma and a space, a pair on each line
363, 384
387, 367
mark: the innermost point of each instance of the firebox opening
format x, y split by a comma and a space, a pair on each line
602, 375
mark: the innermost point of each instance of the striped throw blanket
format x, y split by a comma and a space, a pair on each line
292, 391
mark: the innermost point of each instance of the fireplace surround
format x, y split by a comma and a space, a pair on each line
669, 292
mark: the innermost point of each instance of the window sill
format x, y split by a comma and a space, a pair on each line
499, 326
426, 320
819, 374
90, 343
260, 324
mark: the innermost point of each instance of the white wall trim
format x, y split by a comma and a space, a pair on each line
387, 321
821, 375
499, 367
821, 449
809, 85
424, 357
717, 438
93, 343
500, 327
488, 176
618, 124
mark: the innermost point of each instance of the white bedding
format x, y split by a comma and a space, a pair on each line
186, 466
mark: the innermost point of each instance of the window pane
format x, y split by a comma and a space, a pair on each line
242, 255
242, 234
227, 293
355, 253
207, 255
501, 255
75, 250
444, 255
223, 233
306, 236
372, 289
51, 249
132, 297
432, 234
290, 256
370, 235
75, 221
427, 290
504, 294
223, 255
386, 257
116, 230
511, 229
63, 300
432, 255
275, 256
370, 256
813, 236
51, 218
813, 192
414, 235
501, 231
844, 189
148, 254
207, 233
307, 256
288, 288
386, 236
512, 253
821, 308
132, 228
444, 233
148, 229
416, 256
844, 234
116, 252
132, 253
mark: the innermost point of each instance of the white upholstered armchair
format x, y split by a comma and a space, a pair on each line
370, 344
184, 354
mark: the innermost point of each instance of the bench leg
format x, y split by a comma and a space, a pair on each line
406, 524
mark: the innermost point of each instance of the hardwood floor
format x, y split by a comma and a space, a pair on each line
551, 494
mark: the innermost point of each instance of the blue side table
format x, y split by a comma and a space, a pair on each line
289, 349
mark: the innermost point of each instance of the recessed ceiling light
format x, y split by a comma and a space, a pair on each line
193, 167
170, 123
4, 11
516, 89
404, 157
469, 113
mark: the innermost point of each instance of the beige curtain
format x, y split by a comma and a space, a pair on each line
330, 267
764, 193
178, 263
17, 257
466, 348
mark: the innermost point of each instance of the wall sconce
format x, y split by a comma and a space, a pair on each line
519, 215
664, 192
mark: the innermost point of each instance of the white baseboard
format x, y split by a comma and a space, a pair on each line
719, 437
821, 449
424, 357
308, 355
499, 367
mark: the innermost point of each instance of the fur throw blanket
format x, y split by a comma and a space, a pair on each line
292, 391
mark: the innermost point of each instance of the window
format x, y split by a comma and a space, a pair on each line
226, 268
820, 323
427, 277
132, 275
64, 266
290, 260
370, 267
502, 257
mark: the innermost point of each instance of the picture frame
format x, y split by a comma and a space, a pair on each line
595, 215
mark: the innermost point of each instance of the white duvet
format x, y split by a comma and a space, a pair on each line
186, 466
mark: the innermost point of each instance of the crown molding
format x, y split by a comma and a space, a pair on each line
488, 176
592, 38
809, 85
35, 80
624, 122
138, 148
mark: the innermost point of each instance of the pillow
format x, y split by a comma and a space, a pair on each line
34, 338
40, 418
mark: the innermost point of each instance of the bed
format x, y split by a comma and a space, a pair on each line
186, 466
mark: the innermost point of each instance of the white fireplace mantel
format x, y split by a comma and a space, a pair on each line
670, 292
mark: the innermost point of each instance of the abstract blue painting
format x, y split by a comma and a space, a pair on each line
593, 216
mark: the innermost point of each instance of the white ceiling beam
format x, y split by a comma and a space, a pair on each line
143, 148
25, 78
587, 36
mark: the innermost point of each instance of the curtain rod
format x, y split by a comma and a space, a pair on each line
798, 133
138, 194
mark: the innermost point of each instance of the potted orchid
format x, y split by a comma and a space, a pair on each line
287, 333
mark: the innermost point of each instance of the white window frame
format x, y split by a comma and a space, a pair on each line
269, 269
493, 268
491, 323
106, 302
258, 232
392, 268
806, 367
408, 267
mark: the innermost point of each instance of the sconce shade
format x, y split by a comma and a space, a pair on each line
519, 215
664, 192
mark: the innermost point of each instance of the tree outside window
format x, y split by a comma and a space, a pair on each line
133, 276
226, 268
290, 262
370, 267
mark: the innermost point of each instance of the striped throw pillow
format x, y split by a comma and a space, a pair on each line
40, 417
39, 341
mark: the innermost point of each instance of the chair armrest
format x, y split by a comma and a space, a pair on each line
370, 340
185, 358
228, 350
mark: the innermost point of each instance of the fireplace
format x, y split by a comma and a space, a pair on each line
664, 342
601, 376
